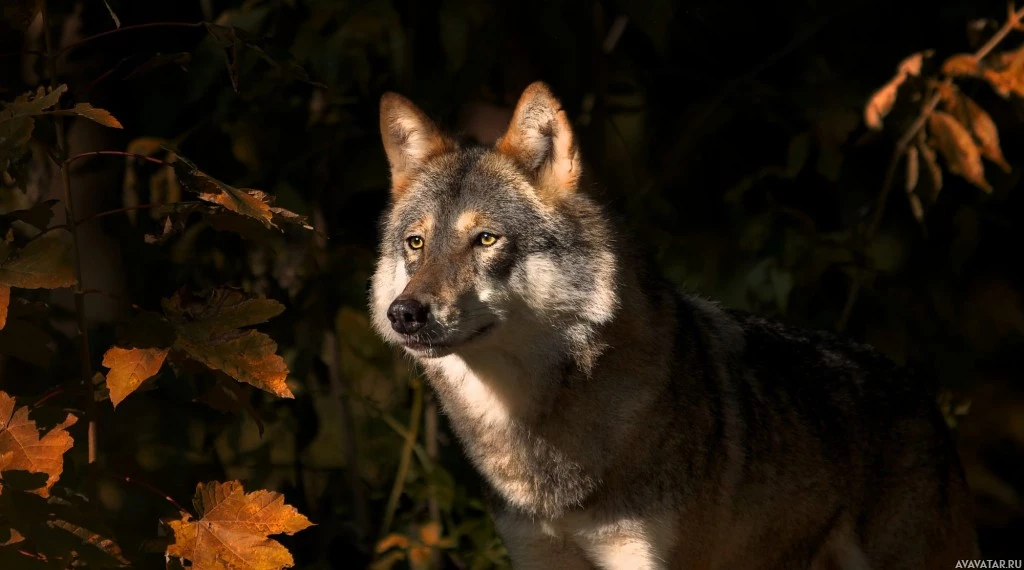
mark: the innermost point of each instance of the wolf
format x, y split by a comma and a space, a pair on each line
620, 423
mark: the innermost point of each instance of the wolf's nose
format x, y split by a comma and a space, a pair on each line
407, 315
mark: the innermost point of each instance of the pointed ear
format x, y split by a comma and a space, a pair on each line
540, 139
410, 138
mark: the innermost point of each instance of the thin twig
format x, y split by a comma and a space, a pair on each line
350, 445
403, 464
71, 159
1012, 23
152, 489
69, 209
132, 209
83, 41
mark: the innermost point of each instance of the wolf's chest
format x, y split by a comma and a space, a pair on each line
526, 465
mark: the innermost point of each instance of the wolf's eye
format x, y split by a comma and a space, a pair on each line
415, 242
485, 239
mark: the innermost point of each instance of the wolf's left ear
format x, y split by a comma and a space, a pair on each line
540, 139
410, 138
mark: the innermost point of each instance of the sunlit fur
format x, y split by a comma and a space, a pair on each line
622, 424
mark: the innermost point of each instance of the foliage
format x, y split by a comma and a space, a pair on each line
173, 312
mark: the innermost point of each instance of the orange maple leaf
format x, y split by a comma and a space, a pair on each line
129, 368
22, 449
233, 527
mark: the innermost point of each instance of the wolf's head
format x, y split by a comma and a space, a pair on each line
485, 247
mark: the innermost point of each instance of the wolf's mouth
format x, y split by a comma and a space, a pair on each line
423, 343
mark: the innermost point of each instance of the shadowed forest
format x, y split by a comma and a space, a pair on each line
189, 202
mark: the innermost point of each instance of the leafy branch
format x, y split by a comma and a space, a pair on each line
962, 154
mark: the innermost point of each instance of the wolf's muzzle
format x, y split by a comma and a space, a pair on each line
408, 315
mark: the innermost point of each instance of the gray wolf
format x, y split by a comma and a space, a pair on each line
620, 423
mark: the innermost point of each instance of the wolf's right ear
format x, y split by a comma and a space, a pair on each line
410, 138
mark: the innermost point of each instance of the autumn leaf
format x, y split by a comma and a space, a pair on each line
961, 65
16, 122
913, 168
958, 149
982, 127
251, 203
20, 437
233, 528
101, 116
208, 332
129, 368
882, 101
1006, 73
44, 263
225, 309
248, 356
931, 162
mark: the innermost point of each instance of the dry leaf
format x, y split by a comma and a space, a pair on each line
961, 65
233, 528
101, 116
248, 356
881, 101
20, 437
5, 302
223, 310
16, 122
208, 332
44, 263
913, 168
250, 203
1006, 73
129, 368
90, 537
985, 132
957, 147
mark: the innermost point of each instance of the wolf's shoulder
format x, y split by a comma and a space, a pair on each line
795, 358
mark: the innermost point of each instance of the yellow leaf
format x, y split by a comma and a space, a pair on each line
881, 101
247, 356
430, 533
961, 65
129, 368
101, 116
233, 529
5, 301
957, 147
22, 449
44, 263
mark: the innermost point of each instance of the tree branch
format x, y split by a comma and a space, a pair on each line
83, 41
69, 209
1013, 22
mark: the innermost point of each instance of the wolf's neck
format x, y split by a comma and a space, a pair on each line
501, 385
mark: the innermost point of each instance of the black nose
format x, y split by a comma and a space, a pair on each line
408, 315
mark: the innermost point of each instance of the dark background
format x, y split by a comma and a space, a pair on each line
728, 136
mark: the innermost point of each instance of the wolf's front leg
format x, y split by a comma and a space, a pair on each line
533, 546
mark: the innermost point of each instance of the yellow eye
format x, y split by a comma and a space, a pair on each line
485, 239
415, 242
